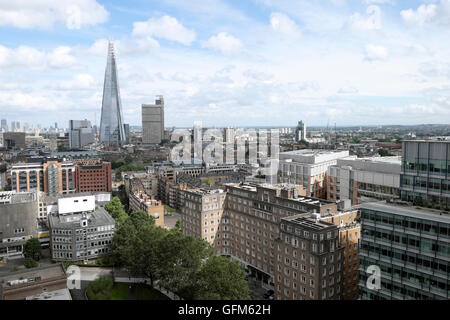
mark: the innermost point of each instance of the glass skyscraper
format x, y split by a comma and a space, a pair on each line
111, 125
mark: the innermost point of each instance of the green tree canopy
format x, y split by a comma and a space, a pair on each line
180, 259
222, 279
32, 249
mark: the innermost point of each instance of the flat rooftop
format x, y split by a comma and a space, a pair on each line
409, 210
98, 217
62, 294
310, 156
307, 221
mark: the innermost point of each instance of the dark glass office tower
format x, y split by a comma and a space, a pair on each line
425, 177
111, 125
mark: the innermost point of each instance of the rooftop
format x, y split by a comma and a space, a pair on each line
98, 217
406, 209
306, 220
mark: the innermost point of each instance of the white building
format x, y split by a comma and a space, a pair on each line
364, 179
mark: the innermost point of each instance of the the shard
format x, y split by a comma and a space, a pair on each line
111, 125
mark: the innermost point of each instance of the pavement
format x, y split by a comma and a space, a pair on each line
170, 219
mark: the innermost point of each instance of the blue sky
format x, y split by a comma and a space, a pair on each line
254, 62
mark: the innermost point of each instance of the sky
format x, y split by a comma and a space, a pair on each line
229, 62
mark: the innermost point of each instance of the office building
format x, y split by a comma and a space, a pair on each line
308, 168
425, 175
50, 175
81, 230
364, 179
80, 134
111, 125
17, 221
4, 125
300, 131
93, 177
14, 140
411, 246
153, 122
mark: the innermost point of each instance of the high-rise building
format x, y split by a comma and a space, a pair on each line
80, 133
111, 125
93, 177
300, 131
4, 125
153, 121
410, 246
425, 176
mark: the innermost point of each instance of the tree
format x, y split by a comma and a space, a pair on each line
178, 226
384, 153
128, 159
30, 263
32, 249
222, 279
180, 259
115, 208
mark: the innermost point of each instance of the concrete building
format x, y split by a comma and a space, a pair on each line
425, 173
50, 175
14, 140
411, 246
308, 168
42, 283
364, 179
81, 230
153, 122
81, 134
17, 221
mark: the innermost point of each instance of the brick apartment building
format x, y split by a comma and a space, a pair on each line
245, 222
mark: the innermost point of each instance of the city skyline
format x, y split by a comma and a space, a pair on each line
372, 62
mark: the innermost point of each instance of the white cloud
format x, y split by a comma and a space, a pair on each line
372, 21
374, 52
28, 14
428, 14
285, 25
223, 42
61, 57
348, 90
81, 81
25, 56
164, 27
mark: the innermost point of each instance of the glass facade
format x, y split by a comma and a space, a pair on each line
111, 124
412, 253
425, 178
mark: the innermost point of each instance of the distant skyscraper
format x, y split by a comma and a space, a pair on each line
111, 124
300, 132
80, 133
4, 125
56, 125
153, 122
